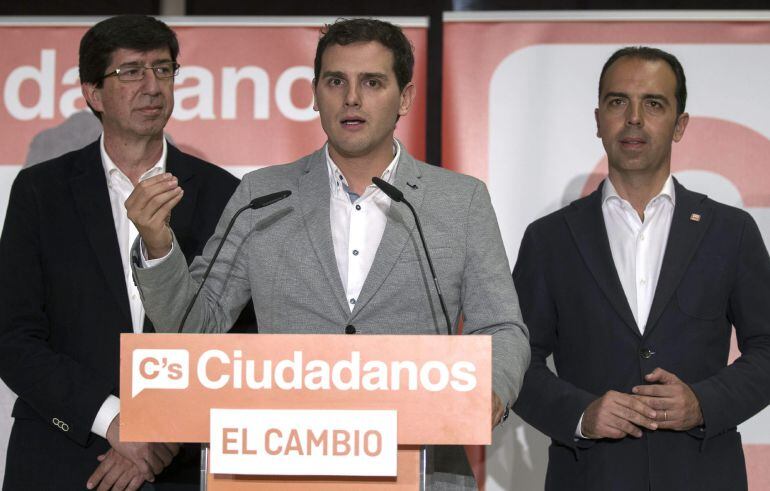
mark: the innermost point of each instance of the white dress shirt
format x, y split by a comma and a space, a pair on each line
637, 247
357, 225
119, 188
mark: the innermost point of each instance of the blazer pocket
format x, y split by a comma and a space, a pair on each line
703, 291
439, 246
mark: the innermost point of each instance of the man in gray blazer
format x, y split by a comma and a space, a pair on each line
338, 256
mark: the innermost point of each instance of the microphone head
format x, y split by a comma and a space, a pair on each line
389, 189
269, 199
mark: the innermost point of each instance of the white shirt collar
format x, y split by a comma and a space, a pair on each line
110, 169
337, 181
667, 192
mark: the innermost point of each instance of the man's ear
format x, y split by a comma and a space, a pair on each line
596, 117
681, 125
315, 99
93, 96
407, 98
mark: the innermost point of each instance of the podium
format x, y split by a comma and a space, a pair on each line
306, 411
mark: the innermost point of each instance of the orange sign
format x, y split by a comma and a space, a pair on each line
440, 385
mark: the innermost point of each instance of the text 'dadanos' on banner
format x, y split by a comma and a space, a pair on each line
303, 442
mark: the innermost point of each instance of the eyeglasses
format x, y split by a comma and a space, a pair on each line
134, 73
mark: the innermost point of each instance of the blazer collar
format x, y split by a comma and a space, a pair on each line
586, 223
183, 212
399, 229
683, 239
313, 197
92, 202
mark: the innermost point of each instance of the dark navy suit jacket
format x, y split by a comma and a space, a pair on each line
64, 305
715, 274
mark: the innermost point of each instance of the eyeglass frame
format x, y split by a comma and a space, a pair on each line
116, 73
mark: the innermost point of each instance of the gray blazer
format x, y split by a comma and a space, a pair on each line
282, 257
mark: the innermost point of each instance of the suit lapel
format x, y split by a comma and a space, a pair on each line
586, 223
683, 240
313, 196
182, 214
398, 230
92, 201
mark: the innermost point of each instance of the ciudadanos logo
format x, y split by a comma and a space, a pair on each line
160, 369
215, 369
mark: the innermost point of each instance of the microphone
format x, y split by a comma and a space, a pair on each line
396, 195
254, 204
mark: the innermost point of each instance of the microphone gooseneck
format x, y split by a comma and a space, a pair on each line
254, 204
396, 195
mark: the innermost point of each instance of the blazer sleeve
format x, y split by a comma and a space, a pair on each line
548, 403
167, 288
489, 301
61, 390
742, 389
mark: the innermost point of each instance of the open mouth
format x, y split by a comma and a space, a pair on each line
353, 122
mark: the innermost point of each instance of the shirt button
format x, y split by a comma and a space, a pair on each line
358, 207
350, 329
641, 237
355, 252
642, 281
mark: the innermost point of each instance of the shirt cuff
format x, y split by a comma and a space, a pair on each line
578, 430
110, 408
149, 263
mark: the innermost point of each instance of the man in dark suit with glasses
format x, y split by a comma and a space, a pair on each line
66, 291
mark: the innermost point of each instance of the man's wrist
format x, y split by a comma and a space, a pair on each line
104, 417
147, 259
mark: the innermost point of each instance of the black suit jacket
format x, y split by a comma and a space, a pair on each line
715, 273
64, 304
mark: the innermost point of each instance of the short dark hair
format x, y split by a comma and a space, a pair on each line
347, 31
652, 54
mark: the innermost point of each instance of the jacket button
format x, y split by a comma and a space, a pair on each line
646, 353
350, 329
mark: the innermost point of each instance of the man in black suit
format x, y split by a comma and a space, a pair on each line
66, 291
634, 290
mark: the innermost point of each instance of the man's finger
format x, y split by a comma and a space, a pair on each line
624, 427
636, 405
155, 464
149, 188
655, 390
135, 483
101, 470
634, 417
124, 479
155, 179
167, 202
661, 376
164, 454
173, 448
157, 202
109, 479
657, 403
145, 469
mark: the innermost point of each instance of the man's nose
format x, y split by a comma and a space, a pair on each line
150, 83
353, 96
635, 115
